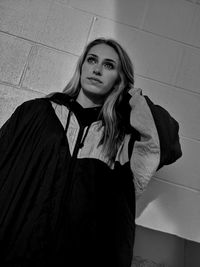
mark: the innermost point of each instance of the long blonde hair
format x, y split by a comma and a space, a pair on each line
110, 115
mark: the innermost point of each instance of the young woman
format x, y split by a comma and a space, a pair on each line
72, 164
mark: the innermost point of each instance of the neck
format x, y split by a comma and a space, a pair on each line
88, 101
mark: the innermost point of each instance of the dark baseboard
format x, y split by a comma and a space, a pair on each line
139, 262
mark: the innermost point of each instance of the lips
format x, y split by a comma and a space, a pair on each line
93, 79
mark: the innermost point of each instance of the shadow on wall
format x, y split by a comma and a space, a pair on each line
149, 196
164, 208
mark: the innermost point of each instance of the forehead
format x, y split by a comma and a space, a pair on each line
104, 51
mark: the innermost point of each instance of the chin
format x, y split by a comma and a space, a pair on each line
93, 92
90, 88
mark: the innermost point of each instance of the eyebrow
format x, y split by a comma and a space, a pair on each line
106, 59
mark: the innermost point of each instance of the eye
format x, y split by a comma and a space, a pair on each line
109, 66
91, 60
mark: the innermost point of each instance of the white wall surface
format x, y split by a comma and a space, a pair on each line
40, 41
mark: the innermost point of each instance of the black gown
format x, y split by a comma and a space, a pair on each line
35, 229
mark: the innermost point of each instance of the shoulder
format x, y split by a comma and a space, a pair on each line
36, 103
40, 107
33, 108
27, 113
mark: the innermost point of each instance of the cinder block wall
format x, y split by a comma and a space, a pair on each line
40, 41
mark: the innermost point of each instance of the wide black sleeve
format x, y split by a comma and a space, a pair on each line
12, 129
8, 129
168, 132
158, 143
31, 180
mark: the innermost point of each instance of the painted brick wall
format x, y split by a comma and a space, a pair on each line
40, 41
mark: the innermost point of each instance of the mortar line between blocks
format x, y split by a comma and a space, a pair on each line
37, 43
25, 67
94, 19
144, 15
177, 184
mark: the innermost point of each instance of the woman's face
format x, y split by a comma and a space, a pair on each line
100, 70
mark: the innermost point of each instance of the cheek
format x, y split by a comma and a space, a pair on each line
112, 79
85, 70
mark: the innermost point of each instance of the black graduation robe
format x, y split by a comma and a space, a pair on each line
38, 226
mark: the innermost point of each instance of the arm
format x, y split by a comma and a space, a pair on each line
14, 127
8, 129
159, 141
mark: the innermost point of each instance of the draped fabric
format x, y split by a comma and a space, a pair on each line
61, 204
56, 210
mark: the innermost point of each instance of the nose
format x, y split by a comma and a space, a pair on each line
97, 70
